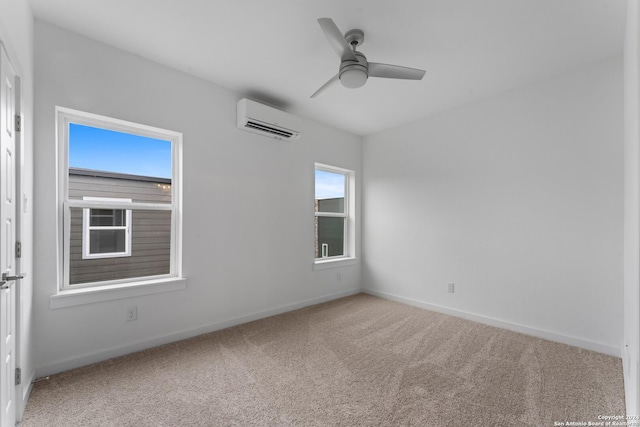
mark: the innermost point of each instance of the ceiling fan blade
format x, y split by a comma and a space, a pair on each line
336, 39
326, 86
394, 71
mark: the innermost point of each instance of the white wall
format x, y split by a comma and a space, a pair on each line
631, 356
248, 205
16, 34
517, 199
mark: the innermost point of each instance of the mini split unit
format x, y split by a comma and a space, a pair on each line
267, 121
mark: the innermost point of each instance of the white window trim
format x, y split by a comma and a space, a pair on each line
87, 227
349, 250
69, 295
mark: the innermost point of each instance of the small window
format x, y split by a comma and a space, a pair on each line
333, 213
106, 233
119, 200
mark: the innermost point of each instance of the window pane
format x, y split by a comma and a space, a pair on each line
330, 205
330, 191
329, 237
106, 163
120, 152
150, 249
107, 241
108, 217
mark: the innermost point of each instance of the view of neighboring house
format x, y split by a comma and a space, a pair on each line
329, 231
111, 244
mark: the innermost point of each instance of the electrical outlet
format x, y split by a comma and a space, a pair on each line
132, 313
338, 277
450, 287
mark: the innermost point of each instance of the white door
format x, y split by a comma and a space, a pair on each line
7, 242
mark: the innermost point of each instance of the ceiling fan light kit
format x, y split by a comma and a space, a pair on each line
354, 68
353, 74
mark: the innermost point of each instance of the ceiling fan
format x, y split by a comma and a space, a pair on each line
354, 67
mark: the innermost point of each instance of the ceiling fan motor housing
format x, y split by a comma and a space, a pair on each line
354, 74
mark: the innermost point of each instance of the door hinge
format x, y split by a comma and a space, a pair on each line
18, 250
18, 376
18, 123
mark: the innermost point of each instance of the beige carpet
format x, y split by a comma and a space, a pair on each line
356, 361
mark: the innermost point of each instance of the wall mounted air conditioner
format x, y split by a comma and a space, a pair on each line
267, 121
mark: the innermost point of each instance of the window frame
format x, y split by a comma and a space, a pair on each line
349, 255
66, 116
87, 228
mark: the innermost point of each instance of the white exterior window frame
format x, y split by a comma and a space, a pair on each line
349, 255
69, 295
87, 228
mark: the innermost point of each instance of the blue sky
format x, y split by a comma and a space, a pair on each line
107, 150
329, 185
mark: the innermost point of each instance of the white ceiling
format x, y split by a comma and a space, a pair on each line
274, 50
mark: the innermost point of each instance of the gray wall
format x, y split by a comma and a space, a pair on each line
248, 221
517, 199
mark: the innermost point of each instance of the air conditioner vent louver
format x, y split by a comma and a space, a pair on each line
266, 128
267, 121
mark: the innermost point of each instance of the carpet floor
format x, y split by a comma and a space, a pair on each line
355, 361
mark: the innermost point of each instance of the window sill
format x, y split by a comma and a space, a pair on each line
74, 297
322, 264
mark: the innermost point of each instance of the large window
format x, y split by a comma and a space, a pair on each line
119, 201
333, 213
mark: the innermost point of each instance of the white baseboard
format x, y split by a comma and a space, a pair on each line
539, 333
104, 354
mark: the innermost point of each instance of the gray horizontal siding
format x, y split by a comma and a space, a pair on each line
137, 191
150, 238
